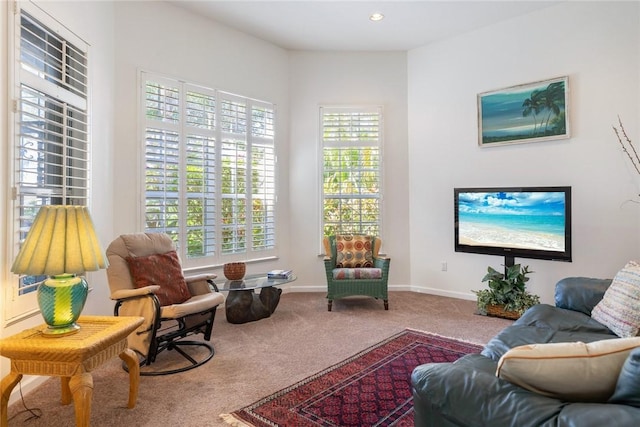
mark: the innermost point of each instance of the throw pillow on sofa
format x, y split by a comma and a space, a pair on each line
572, 371
619, 309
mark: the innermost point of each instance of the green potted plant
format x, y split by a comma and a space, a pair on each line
507, 295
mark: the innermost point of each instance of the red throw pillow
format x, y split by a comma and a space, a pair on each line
163, 270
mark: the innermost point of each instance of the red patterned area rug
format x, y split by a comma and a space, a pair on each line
372, 388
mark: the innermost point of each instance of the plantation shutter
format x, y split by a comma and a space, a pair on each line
234, 168
180, 164
162, 158
263, 177
351, 150
209, 170
200, 172
51, 121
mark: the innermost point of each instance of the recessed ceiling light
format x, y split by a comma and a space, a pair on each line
377, 16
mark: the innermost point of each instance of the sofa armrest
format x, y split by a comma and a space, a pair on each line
580, 293
468, 393
597, 415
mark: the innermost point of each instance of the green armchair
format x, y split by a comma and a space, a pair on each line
353, 267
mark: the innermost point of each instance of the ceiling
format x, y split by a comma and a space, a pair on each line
345, 26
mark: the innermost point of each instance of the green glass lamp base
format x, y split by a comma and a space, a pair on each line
61, 299
60, 331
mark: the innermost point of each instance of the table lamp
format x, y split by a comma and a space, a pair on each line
62, 244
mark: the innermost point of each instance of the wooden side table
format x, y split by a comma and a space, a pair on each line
71, 357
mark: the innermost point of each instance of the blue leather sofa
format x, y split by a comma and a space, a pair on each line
468, 393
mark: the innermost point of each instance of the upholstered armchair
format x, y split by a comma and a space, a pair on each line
354, 267
146, 280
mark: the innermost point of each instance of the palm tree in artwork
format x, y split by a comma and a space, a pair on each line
531, 107
552, 101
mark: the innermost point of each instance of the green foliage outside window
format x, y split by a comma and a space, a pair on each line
351, 191
351, 151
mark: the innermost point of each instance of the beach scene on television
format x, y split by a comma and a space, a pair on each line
529, 220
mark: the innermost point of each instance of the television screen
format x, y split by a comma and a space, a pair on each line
531, 222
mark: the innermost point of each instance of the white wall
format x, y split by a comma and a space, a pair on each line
346, 78
596, 45
159, 37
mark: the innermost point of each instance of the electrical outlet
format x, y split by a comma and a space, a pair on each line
444, 265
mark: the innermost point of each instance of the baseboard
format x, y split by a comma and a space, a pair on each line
405, 288
27, 384
440, 292
291, 289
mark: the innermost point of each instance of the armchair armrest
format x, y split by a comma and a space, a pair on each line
382, 262
580, 293
121, 294
201, 283
200, 277
329, 262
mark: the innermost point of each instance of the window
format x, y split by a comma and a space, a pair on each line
209, 171
351, 143
50, 125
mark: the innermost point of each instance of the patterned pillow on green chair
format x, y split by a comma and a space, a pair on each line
354, 251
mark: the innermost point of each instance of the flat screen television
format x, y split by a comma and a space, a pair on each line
523, 222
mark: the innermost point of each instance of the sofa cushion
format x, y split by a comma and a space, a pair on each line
544, 323
163, 270
628, 386
619, 309
354, 251
580, 293
573, 371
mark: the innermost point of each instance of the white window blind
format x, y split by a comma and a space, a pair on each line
209, 170
351, 140
51, 122
263, 174
234, 168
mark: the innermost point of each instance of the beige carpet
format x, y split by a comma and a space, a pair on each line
256, 359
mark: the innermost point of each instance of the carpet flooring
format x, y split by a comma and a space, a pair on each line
256, 359
372, 388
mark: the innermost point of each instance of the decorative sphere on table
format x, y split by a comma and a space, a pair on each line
234, 270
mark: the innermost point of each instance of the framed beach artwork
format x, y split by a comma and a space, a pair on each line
530, 112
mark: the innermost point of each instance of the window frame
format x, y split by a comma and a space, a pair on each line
219, 135
60, 104
352, 109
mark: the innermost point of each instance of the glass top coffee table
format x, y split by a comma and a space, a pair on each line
244, 305
253, 281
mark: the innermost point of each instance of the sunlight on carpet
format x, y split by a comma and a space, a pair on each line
371, 388
233, 421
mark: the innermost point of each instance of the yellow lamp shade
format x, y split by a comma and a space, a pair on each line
61, 240
61, 243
